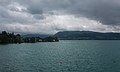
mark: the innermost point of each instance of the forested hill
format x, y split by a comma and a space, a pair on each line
87, 35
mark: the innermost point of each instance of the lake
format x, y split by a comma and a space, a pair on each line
63, 56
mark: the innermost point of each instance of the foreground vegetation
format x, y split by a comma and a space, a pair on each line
12, 38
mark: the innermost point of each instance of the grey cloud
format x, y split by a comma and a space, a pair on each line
39, 16
35, 11
5, 2
12, 15
104, 11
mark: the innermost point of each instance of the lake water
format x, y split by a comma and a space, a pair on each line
63, 56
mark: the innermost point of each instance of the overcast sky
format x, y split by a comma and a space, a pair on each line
51, 16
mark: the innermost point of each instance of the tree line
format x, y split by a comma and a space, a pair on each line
17, 38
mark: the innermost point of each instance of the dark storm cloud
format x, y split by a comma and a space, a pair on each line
104, 11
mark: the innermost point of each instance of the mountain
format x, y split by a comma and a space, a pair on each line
87, 35
36, 35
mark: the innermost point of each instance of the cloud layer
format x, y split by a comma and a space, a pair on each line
51, 16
